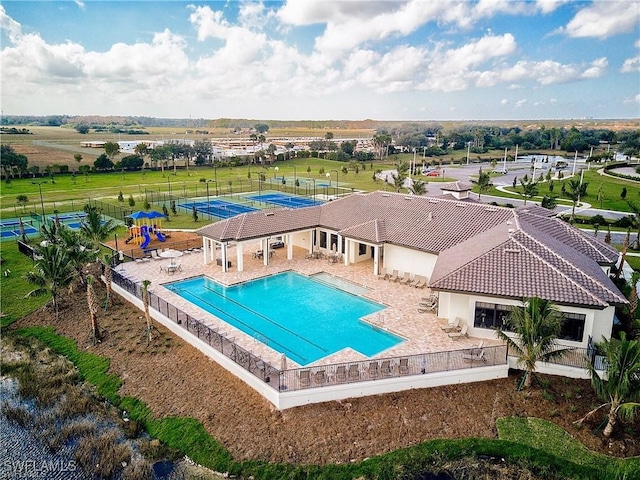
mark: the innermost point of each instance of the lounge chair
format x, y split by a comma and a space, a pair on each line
383, 274
320, 377
403, 368
415, 280
354, 372
461, 333
429, 306
431, 297
452, 325
155, 256
305, 378
385, 368
374, 371
406, 279
421, 281
394, 276
475, 354
341, 374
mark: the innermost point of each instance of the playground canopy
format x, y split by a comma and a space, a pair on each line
143, 215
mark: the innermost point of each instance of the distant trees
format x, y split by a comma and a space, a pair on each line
82, 128
11, 162
130, 162
111, 149
103, 163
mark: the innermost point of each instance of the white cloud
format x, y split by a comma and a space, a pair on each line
504, 101
635, 99
603, 19
631, 65
8, 24
521, 103
80, 4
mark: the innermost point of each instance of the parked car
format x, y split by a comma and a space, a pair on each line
433, 173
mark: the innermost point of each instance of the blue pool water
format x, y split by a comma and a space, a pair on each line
305, 319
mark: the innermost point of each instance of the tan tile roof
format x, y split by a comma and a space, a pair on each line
456, 187
481, 248
516, 265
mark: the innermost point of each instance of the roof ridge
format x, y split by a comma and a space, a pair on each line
553, 267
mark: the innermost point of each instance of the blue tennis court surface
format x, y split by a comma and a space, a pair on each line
219, 208
284, 200
15, 232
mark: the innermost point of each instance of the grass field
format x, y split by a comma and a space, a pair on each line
58, 145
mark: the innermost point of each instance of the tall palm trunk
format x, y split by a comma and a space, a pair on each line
108, 278
93, 310
613, 419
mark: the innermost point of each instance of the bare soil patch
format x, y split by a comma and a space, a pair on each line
174, 378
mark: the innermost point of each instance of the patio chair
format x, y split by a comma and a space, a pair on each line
373, 371
406, 279
354, 372
155, 256
461, 333
383, 275
341, 374
475, 354
452, 325
403, 368
421, 281
385, 368
305, 378
320, 378
431, 297
394, 276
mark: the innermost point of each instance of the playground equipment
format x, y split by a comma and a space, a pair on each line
140, 233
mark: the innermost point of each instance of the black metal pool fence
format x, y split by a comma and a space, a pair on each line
321, 375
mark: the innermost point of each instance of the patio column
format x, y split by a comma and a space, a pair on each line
205, 243
311, 235
347, 249
339, 245
289, 239
376, 260
264, 243
224, 257
240, 256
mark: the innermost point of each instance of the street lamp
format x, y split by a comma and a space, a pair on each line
337, 180
275, 170
314, 190
41, 201
295, 179
215, 172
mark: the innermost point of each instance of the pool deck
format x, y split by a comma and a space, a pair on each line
421, 331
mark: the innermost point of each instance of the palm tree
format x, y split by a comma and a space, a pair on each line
529, 189
92, 304
621, 391
576, 191
398, 179
92, 226
483, 182
536, 325
418, 187
51, 273
635, 219
145, 302
105, 260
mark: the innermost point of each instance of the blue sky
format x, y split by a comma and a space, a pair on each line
316, 59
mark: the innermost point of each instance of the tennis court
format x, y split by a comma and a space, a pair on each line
219, 208
10, 228
282, 200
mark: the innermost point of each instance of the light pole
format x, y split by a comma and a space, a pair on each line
41, 201
295, 179
169, 182
215, 173
275, 171
337, 180
314, 190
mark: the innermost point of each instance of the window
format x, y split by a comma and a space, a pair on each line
362, 249
334, 242
323, 239
573, 326
491, 315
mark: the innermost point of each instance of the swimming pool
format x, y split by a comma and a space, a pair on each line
293, 314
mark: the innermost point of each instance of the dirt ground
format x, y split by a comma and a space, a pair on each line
176, 240
174, 378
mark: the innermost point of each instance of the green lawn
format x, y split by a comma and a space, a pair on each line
14, 287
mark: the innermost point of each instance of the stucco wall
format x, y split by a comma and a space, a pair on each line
407, 260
